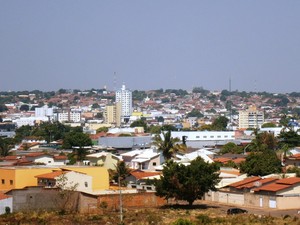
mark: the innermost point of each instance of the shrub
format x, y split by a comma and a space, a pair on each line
7, 210
203, 219
183, 222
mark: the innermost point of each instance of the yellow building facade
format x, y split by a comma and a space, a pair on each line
20, 177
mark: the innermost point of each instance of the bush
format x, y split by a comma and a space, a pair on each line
203, 219
7, 210
183, 222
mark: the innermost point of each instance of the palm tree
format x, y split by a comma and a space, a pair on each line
121, 172
168, 145
6, 144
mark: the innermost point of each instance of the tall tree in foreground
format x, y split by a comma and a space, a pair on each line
168, 145
187, 183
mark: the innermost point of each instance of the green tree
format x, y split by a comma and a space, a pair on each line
121, 171
99, 115
79, 142
220, 123
195, 113
3, 108
168, 145
6, 144
263, 141
95, 106
24, 108
22, 132
155, 129
291, 138
261, 164
268, 125
187, 183
231, 147
139, 123
102, 129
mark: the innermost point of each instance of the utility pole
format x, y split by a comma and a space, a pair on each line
121, 203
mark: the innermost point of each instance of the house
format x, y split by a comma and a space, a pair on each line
146, 159
293, 160
105, 159
5, 202
282, 194
261, 192
46, 159
20, 177
204, 153
140, 176
65, 179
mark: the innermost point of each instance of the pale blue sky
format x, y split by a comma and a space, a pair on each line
150, 44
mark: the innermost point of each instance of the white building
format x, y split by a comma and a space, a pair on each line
70, 116
44, 111
125, 97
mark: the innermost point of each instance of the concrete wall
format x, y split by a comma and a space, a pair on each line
255, 200
37, 198
231, 198
7, 202
288, 202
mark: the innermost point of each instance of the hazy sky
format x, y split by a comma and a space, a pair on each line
150, 44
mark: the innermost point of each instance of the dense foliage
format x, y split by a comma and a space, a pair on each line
168, 145
261, 164
187, 183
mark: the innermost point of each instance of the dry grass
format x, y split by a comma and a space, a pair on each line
156, 216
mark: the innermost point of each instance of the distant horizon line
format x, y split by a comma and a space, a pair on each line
164, 89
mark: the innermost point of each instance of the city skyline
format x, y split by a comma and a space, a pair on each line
150, 45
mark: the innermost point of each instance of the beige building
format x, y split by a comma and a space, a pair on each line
268, 193
112, 114
105, 159
251, 118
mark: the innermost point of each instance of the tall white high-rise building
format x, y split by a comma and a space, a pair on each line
125, 97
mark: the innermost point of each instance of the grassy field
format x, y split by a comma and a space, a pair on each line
154, 216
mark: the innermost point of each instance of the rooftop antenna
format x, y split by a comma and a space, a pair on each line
230, 103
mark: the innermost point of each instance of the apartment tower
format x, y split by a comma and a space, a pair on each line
124, 96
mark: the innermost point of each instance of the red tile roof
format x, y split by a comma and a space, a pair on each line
143, 174
272, 187
244, 182
4, 196
289, 180
51, 175
260, 182
60, 157
35, 154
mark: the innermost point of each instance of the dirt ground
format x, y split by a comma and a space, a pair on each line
203, 212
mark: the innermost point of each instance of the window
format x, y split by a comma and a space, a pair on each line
154, 163
3, 181
204, 136
212, 136
11, 182
86, 184
197, 137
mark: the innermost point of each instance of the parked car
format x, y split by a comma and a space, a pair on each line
236, 211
